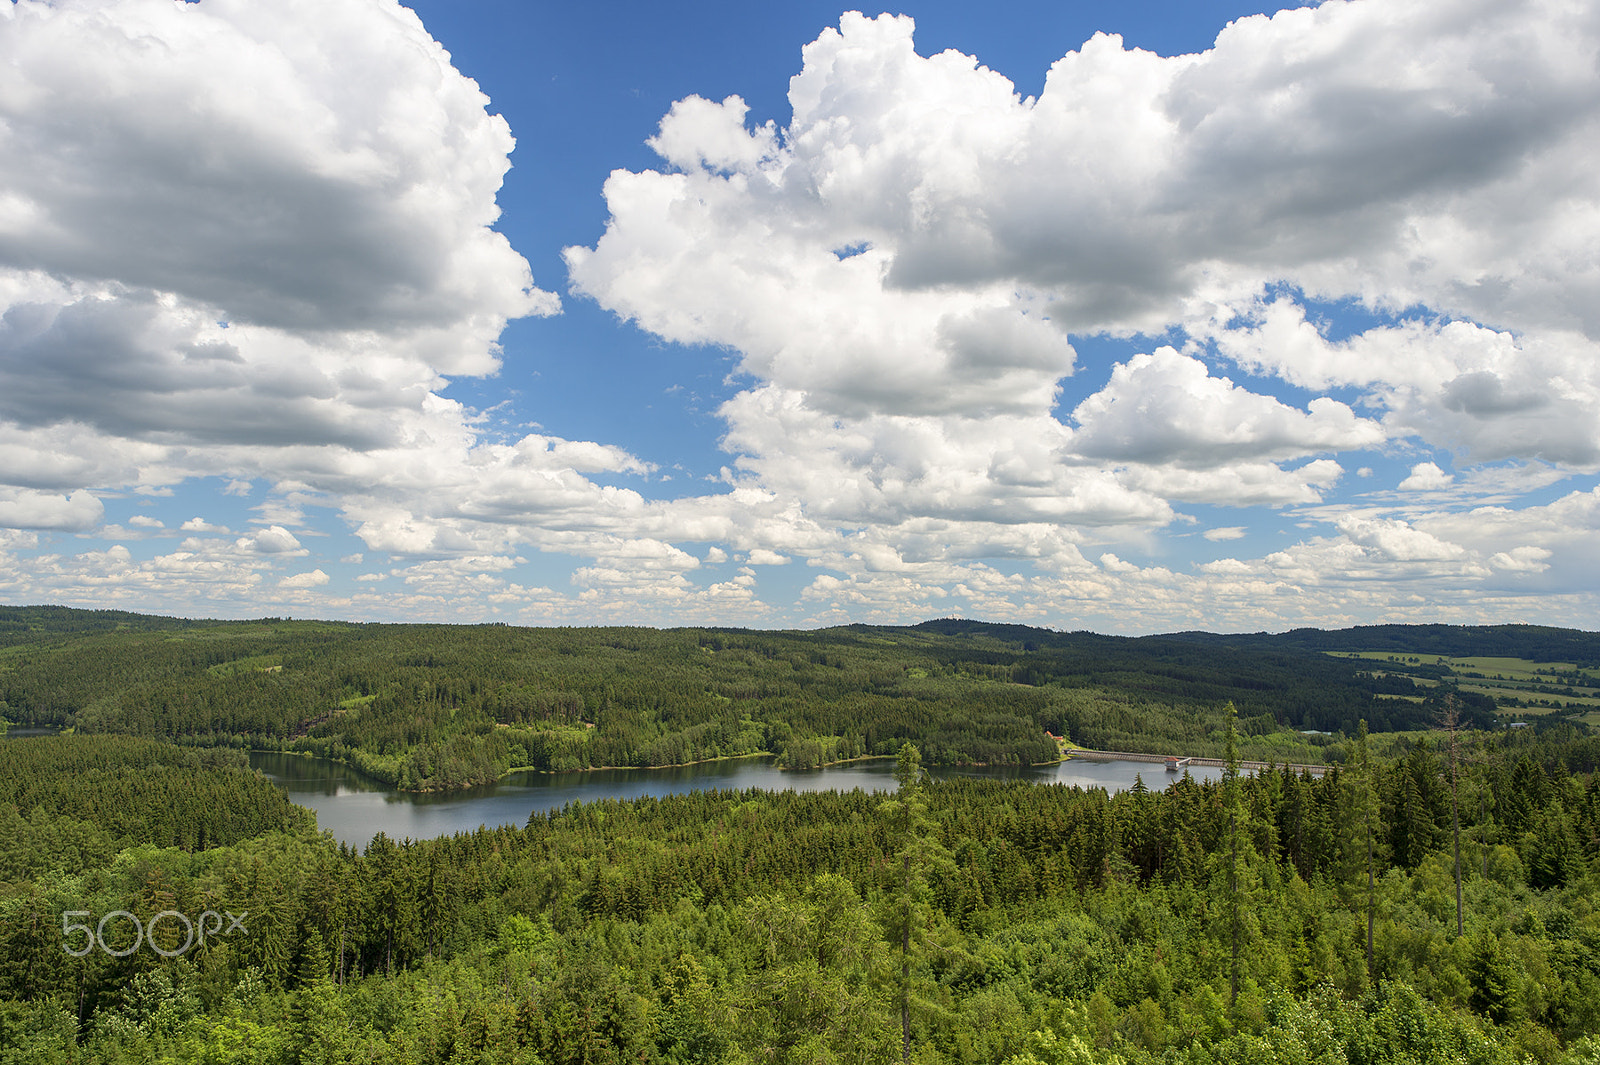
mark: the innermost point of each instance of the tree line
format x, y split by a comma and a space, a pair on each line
430, 707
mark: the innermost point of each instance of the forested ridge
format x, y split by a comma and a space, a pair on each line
1013, 924
1539, 643
438, 706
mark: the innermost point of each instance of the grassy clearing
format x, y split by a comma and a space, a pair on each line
1510, 668
1388, 656
1563, 698
1498, 678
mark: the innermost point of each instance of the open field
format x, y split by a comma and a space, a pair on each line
1521, 687
1496, 691
1511, 668
1388, 656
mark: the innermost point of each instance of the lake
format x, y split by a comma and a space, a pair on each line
22, 732
355, 807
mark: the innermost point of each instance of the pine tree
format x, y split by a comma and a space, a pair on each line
1367, 802
919, 852
1236, 815
312, 1013
1450, 721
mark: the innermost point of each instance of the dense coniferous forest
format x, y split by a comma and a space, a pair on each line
435, 707
142, 791
1433, 897
1015, 923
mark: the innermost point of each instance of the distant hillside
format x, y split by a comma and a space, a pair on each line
1534, 642
26, 624
443, 706
1538, 643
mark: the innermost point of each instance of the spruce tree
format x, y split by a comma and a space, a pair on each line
1367, 802
1235, 807
918, 853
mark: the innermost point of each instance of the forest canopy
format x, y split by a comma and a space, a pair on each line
1430, 897
1266, 918
436, 706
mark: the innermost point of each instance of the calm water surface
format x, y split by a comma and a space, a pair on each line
22, 732
354, 807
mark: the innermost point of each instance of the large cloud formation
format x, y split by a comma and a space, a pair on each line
251, 241
901, 268
184, 267
254, 242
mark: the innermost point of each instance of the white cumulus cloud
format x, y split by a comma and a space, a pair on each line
255, 242
1426, 477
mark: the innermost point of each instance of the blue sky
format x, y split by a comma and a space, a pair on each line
1242, 320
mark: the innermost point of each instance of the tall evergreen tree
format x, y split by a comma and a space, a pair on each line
919, 851
1235, 808
1450, 721
1366, 799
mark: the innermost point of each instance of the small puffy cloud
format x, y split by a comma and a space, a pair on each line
314, 579
145, 521
201, 525
1426, 477
1230, 532
760, 556
1522, 559
275, 540
580, 455
700, 133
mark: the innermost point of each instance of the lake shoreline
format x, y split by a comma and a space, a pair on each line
355, 806
557, 773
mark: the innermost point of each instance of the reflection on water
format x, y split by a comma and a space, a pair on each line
355, 807
19, 732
